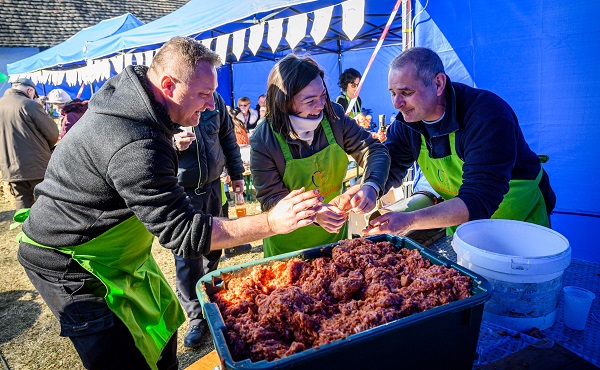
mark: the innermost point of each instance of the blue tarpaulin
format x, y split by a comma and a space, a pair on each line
541, 56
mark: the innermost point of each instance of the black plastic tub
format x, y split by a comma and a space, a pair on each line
443, 337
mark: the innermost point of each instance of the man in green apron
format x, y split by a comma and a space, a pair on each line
469, 145
110, 187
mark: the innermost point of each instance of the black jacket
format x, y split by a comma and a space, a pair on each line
118, 161
215, 140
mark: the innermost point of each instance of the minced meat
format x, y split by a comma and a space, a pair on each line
276, 310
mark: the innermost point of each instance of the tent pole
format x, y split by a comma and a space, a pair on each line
231, 84
339, 45
407, 31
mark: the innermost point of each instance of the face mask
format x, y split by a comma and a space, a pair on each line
305, 127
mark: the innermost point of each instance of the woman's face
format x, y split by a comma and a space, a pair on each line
310, 101
351, 88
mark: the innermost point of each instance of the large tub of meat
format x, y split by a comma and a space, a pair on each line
373, 303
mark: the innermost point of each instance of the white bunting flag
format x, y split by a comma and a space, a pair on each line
296, 29
321, 23
274, 33
256, 36
353, 17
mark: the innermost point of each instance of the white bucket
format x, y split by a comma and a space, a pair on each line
524, 262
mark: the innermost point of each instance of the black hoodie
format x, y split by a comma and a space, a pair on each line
119, 160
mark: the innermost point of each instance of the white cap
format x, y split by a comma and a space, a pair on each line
58, 96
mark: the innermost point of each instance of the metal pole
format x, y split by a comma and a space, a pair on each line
407, 31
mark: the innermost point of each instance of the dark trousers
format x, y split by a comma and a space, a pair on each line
189, 270
75, 297
23, 192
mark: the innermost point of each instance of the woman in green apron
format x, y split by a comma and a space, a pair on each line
304, 141
348, 82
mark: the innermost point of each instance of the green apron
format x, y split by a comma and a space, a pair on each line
137, 292
523, 202
325, 171
352, 113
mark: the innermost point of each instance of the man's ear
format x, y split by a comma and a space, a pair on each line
440, 83
167, 86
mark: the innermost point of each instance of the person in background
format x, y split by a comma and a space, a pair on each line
247, 115
70, 109
469, 146
348, 83
305, 141
204, 151
86, 245
241, 135
260, 107
27, 137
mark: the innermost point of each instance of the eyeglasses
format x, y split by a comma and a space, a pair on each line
353, 85
243, 105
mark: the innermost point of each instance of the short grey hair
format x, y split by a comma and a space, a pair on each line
426, 61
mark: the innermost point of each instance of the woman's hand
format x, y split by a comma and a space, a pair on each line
331, 218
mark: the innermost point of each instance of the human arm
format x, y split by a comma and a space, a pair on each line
292, 212
267, 166
403, 152
42, 121
372, 156
448, 213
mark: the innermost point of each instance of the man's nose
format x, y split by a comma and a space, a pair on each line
209, 103
398, 101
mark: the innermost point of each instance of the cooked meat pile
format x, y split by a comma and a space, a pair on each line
283, 308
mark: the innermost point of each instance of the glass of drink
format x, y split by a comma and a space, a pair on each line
240, 206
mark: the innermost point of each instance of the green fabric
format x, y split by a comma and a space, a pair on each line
223, 196
523, 202
352, 114
137, 291
3, 77
325, 171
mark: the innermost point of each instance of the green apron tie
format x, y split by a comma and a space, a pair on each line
523, 202
136, 290
325, 171
352, 113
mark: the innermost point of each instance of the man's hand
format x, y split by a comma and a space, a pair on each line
364, 200
390, 223
296, 210
342, 201
238, 186
183, 140
331, 218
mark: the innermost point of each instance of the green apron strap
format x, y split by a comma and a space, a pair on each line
285, 149
324, 170
523, 202
352, 114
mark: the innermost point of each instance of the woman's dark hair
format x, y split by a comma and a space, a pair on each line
348, 76
287, 78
